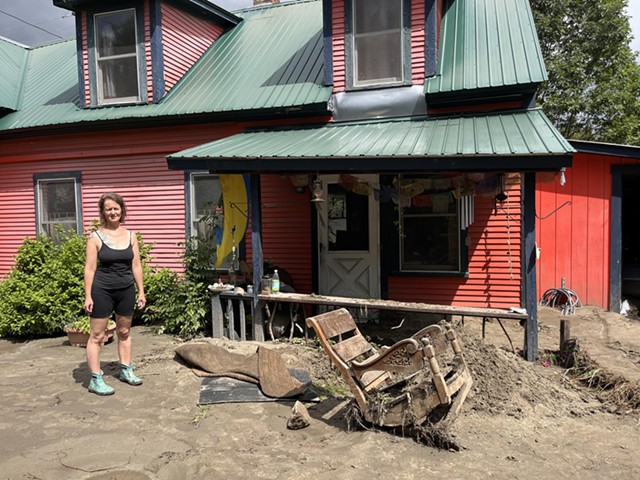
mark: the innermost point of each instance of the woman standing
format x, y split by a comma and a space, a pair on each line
111, 274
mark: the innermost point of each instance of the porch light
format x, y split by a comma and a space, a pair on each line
502, 196
317, 191
300, 182
563, 180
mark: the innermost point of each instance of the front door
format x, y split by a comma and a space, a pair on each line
348, 248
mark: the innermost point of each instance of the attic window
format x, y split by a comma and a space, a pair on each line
377, 42
116, 57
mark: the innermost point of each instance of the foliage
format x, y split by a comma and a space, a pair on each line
593, 91
83, 325
45, 287
178, 303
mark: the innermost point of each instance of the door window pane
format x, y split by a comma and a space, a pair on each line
57, 207
378, 55
116, 56
348, 217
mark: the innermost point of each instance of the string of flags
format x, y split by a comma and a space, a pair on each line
435, 192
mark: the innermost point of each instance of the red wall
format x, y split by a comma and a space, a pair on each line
494, 263
574, 241
184, 39
131, 162
286, 229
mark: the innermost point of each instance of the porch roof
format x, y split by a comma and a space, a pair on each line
516, 141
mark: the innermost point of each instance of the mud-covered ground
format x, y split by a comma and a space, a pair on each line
520, 421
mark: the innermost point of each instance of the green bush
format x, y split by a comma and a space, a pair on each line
45, 289
179, 304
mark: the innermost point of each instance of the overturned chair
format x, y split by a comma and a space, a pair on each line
424, 377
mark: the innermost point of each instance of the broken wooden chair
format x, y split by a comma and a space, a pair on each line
400, 385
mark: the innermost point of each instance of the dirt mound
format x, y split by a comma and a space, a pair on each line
505, 383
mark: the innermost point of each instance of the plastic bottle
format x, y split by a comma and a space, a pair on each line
275, 282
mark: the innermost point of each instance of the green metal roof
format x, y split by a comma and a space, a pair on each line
487, 44
272, 60
507, 141
14, 58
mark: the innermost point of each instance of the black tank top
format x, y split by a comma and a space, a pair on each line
114, 266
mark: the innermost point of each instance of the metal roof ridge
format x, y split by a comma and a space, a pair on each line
266, 6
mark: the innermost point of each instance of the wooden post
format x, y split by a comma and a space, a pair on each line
258, 261
217, 317
565, 331
529, 271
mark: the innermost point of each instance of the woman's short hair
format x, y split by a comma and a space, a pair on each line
115, 198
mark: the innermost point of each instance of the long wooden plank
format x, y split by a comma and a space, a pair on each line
379, 304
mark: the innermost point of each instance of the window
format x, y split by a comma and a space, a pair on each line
377, 43
206, 215
116, 57
57, 198
206, 198
430, 232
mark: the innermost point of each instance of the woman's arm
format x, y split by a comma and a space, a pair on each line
137, 273
90, 265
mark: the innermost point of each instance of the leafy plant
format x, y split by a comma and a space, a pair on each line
83, 325
45, 287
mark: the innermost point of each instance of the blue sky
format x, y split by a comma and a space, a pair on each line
33, 22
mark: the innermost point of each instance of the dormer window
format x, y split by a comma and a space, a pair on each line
378, 51
377, 42
116, 55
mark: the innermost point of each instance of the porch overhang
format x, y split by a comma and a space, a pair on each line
506, 142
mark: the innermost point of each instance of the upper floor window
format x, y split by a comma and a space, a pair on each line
57, 198
116, 57
377, 42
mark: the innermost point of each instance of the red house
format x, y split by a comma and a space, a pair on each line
414, 118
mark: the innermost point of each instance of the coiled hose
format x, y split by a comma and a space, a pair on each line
565, 299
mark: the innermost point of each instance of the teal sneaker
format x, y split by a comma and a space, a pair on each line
127, 375
97, 385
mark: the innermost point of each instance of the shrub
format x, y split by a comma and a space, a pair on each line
178, 303
45, 289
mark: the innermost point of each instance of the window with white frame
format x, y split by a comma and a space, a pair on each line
430, 233
116, 57
206, 212
377, 44
57, 198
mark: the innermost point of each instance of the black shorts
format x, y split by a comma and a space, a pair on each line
106, 301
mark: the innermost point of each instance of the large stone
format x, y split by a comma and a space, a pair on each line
299, 417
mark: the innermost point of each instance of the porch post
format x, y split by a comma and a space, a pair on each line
256, 252
530, 294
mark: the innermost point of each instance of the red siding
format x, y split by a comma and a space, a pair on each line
130, 162
574, 241
184, 39
85, 61
147, 51
338, 46
418, 20
494, 263
286, 229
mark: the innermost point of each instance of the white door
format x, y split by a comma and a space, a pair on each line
348, 247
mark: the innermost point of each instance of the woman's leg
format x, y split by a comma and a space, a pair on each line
123, 329
94, 345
